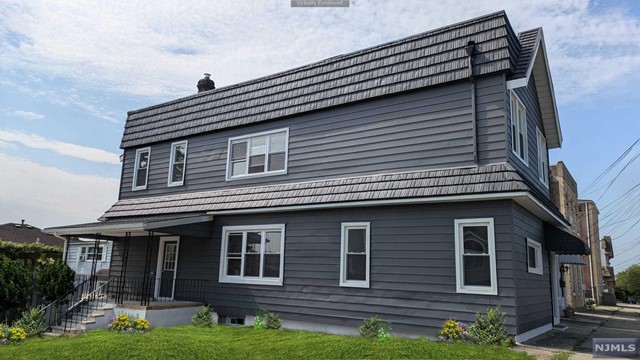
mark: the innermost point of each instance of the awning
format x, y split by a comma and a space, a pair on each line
563, 242
117, 228
571, 259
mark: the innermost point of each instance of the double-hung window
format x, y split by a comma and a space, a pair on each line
534, 257
258, 154
141, 169
252, 254
475, 257
518, 128
178, 163
88, 253
354, 259
543, 162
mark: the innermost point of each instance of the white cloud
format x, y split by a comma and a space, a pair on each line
160, 50
78, 151
28, 115
64, 198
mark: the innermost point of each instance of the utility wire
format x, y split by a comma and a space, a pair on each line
604, 173
618, 175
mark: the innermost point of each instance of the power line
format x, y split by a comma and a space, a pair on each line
636, 186
604, 173
618, 175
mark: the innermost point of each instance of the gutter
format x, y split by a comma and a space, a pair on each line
471, 49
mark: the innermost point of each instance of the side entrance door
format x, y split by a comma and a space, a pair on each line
167, 267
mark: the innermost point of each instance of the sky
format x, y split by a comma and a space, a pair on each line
70, 71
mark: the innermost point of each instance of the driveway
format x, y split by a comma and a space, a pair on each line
621, 321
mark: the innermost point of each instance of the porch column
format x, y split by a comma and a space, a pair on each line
123, 270
147, 280
66, 248
94, 262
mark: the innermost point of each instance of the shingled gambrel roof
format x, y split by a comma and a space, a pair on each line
492, 179
426, 59
528, 42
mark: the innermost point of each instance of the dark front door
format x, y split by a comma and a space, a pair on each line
168, 269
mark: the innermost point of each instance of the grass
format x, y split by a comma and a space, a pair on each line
562, 355
226, 342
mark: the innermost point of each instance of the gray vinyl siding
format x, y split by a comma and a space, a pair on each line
533, 294
412, 267
529, 98
137, 256
420, 130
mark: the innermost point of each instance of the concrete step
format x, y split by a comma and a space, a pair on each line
70, 330
88, 321
51, 333
96, 314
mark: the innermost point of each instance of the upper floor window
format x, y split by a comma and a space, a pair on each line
141, 170
518, 128
354, 260
258, 154
475, 257
178, 163
252, 254
543, 163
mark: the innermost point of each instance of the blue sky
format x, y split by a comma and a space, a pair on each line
69, 72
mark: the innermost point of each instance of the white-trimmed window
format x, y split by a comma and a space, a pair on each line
543, 162
534, 256
178, 163
475, 257
265, 153
519, 129
141, 169
252, 254
88, 253
355, 251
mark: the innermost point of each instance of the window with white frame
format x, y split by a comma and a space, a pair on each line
141, 170
475, 257
88, 253
178, 163
518, 128
252, 254
258, 154
534, 256
355, 251
543, 162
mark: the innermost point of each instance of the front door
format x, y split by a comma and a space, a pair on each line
556, 291
167, 267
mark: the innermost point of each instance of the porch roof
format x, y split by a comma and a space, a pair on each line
563, 242
490, 179
134, 226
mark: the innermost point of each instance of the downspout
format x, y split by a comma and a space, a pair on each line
586, 212
471, 49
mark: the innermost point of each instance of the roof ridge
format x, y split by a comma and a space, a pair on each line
336, 58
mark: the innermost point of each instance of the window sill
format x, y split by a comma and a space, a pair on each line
525, 162
251, 281
355, 284
175, 184
257, 175
536, 271
138, 188
478, 290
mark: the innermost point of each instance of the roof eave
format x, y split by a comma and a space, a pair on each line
539, 68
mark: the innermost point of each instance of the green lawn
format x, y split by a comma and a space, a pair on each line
226, 342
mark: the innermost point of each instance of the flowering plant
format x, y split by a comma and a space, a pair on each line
453, 330
123, 324
17, 334
141, 324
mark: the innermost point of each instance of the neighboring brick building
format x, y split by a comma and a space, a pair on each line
588, 228
609, 292
564, 194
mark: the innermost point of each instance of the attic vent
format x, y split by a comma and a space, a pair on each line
206, 84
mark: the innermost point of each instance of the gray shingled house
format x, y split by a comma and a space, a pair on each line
408, 180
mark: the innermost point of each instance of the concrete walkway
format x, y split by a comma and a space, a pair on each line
621, 321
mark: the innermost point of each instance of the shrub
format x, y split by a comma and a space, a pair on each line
489, 328
32, 321
260, 322
273, 321
141, 324
17, 334
375, 328
3, 333
15, 286
202, 318
453, 330
590, 304
55, 279
121, 323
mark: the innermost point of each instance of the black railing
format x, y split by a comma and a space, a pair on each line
73, 308
146, 290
